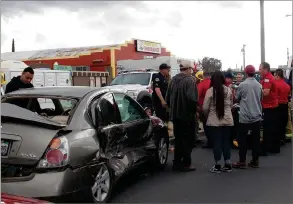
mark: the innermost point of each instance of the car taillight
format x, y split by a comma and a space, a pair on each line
57, 154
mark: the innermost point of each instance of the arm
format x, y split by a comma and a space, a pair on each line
207, 102
239, 93
169, 90
267, 85
192, 92
231, 99
156, 85
9, 88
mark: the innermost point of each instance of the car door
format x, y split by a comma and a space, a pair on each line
112, 134
134, 119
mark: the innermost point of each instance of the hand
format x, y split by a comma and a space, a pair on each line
164, 104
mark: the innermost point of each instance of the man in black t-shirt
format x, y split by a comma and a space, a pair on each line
160, 86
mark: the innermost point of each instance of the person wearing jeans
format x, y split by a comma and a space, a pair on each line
217, 106
249, 95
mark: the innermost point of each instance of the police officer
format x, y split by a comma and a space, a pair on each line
160, 86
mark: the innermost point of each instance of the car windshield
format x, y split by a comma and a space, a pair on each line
53, 108
132, 78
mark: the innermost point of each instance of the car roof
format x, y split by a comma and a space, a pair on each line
64, 91
136, 72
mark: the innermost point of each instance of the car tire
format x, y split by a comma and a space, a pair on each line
162, 152
101, 189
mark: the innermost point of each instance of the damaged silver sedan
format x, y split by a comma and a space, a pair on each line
63, 141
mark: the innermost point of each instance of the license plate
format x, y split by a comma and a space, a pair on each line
4, 147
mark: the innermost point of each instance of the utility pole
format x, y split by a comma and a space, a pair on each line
243, 51
13, 46
262, 31
288, 55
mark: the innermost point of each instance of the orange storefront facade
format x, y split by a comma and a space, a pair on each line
99, 58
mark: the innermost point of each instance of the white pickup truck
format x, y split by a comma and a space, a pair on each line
137, 85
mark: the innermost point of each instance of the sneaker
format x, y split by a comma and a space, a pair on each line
253, 164
216, 169
239, 165
227, 168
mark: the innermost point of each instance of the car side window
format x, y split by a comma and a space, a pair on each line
106, 110
128, 108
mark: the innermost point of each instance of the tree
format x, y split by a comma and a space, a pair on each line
13, 45
211, 64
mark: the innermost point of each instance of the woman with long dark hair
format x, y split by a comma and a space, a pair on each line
217, 108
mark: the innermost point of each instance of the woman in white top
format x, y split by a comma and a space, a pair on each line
217, 109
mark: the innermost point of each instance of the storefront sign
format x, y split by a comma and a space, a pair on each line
80, 68
62, 67
150, 47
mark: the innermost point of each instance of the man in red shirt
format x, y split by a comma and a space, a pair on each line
202, 87
283, 95
271, 140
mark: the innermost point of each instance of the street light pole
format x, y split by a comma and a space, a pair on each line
288, 53
243, 51
262, 31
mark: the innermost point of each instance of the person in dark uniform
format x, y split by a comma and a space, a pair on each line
160, 86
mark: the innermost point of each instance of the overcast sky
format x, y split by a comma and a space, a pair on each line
191, 29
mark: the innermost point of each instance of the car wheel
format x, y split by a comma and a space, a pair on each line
102, 186
162, 152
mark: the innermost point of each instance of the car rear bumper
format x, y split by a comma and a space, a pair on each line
50, 184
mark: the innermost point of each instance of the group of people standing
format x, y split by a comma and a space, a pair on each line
184, 101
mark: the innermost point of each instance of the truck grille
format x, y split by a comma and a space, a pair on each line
12, 171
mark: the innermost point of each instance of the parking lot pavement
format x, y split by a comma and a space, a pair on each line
272, 183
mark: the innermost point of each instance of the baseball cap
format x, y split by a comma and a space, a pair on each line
249, 69
229, 75
184, 65
164, 66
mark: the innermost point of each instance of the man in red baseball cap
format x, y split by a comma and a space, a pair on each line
271, 141
249, 95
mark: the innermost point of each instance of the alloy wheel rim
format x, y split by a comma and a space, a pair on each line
101, 187
163, 151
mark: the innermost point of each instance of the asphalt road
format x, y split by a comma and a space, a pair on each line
271, 183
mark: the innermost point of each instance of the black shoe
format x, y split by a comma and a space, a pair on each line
253, 164
216, 169
227, 168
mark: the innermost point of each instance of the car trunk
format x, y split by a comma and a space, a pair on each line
24, 139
